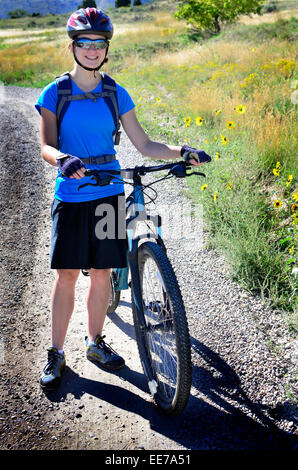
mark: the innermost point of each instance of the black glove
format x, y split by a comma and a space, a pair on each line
189, 153
68, 164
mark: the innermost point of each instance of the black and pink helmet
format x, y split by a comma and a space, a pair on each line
89, 21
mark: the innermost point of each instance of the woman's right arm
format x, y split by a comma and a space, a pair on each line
49, 147
49, 137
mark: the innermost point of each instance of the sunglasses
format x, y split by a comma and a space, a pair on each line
85, 43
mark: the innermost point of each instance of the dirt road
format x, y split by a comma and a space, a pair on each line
242, 394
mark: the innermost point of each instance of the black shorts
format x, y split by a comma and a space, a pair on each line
89, 234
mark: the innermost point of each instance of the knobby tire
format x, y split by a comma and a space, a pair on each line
164, 343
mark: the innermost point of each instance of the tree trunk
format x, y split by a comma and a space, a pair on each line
216, 25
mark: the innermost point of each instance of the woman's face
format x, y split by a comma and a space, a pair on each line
89, 57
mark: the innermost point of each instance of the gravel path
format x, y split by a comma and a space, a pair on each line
244, 392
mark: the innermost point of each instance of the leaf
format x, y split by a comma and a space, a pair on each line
285, 240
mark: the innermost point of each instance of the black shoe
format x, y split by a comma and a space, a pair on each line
100, 352
52, 372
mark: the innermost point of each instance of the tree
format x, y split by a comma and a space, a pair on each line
122, 3
210, 14
87, 3
19, 13
137, 3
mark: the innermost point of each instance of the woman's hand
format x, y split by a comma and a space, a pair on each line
71, 166
194, 156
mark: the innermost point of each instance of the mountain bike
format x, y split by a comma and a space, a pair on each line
159, 316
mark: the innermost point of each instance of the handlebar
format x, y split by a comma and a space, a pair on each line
104, 177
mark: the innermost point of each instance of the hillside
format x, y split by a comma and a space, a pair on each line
46, 6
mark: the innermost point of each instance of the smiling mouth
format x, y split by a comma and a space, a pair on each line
92, 58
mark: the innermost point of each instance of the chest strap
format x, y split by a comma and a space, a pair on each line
99, 159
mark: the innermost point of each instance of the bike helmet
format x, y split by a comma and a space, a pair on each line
89, 21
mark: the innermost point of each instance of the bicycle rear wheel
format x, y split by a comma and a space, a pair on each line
162, 334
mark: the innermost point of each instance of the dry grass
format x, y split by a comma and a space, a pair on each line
34, 58
268, 17
8, 33
143, 32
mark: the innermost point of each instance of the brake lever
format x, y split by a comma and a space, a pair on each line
196, 173
179, 171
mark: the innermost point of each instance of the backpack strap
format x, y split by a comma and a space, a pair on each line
109, 90
64, 93
109, 93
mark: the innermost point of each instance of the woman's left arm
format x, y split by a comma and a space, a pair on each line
144, 145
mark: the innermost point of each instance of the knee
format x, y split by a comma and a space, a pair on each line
102, 275
67, 277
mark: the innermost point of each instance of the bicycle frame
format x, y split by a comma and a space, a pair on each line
136, 212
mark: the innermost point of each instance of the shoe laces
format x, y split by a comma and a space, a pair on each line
106, 347
53, 356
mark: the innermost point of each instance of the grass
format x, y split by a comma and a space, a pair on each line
250, 197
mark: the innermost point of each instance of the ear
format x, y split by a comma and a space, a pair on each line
70, 46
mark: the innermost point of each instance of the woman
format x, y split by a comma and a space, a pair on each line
87, 129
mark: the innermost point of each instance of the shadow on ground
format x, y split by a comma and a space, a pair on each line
219, 414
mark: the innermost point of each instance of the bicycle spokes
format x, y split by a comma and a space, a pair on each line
159, 329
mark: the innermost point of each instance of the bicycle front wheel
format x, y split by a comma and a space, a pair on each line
162, 334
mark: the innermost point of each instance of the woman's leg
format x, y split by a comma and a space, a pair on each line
98, 300
62, 304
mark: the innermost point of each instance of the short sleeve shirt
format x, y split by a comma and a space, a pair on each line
86, 130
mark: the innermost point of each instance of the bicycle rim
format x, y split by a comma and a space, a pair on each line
165, 338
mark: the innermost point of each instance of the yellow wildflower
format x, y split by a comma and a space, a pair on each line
218, 111
199, 121
215, 196
206, 141
277, 204
294, 207
275, 171
240, 109
230, 125
158, 99
215, 139
291, 249
203, 187
229, 186
295, 196
217, 156
290, 178
187, 120
224, 140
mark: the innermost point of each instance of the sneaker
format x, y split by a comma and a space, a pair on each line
100, 352
51, 376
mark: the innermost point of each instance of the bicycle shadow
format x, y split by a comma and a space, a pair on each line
219, 414
243, 422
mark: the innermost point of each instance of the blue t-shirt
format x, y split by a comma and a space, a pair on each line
86, 130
